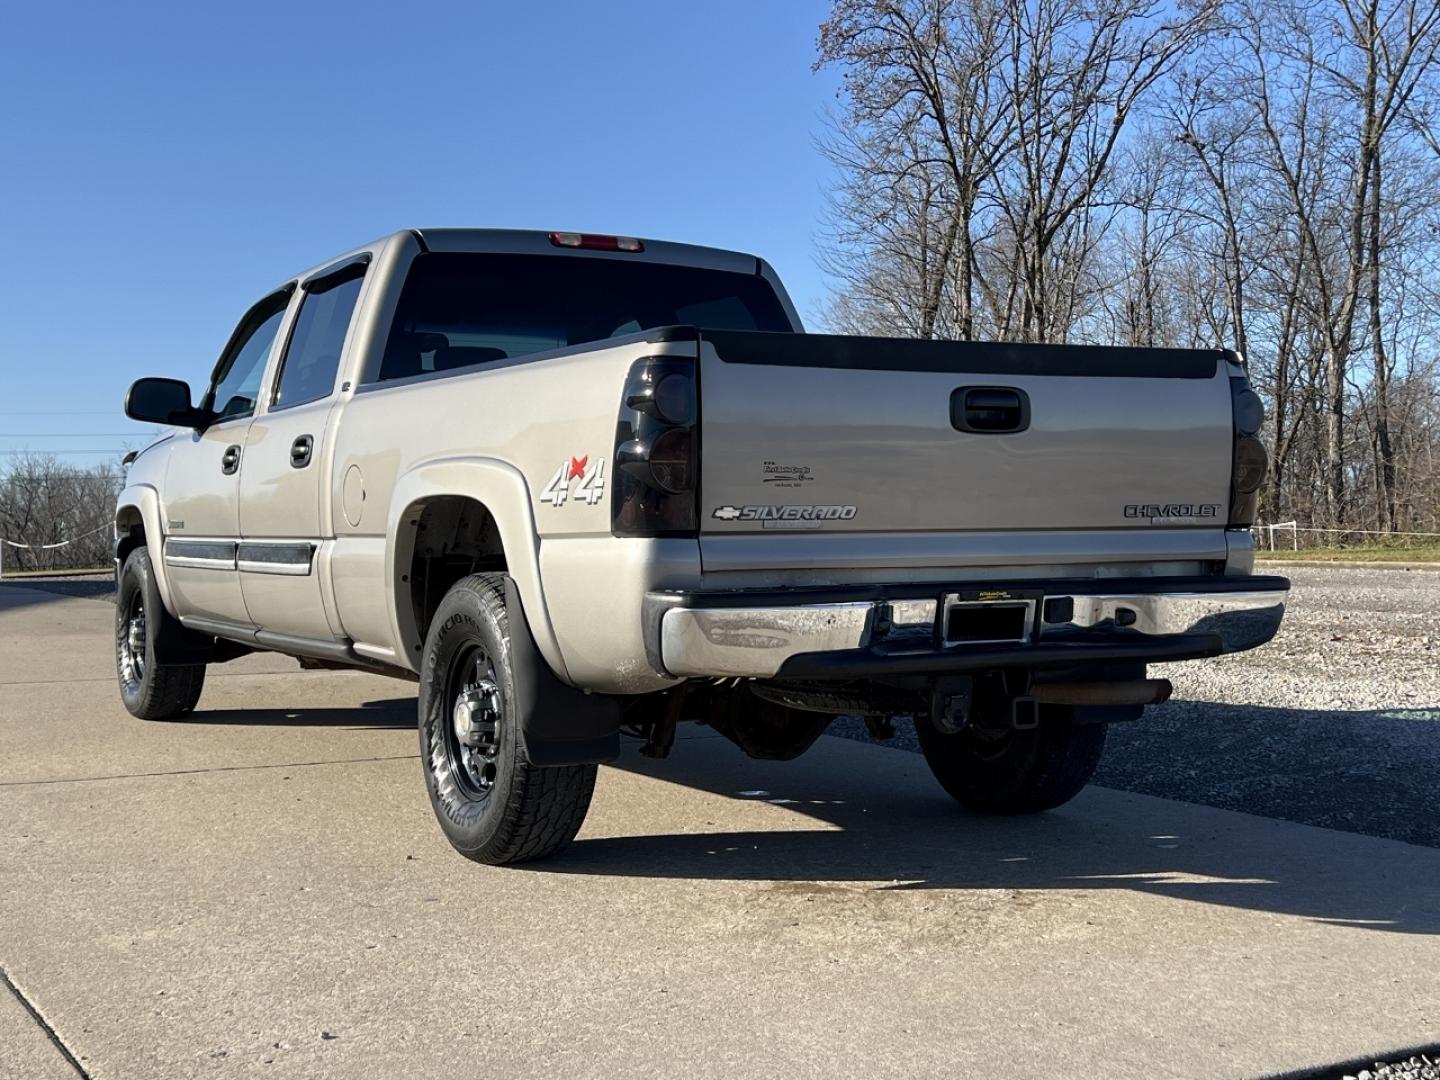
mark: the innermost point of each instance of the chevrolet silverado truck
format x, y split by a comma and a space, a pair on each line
583, 485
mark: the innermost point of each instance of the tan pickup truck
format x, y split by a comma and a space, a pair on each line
584, 485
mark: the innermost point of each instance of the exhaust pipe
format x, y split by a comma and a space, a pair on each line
1133, 692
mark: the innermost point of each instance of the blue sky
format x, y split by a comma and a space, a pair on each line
161, 166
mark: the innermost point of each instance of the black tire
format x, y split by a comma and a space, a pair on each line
492, 804
149, 689
1015, 772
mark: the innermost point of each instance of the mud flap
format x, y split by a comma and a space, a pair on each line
559, 725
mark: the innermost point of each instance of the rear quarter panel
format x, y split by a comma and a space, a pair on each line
533, 419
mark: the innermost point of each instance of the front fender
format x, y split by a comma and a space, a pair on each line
502, 489
144, 500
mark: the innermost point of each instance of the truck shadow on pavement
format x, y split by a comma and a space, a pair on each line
20, 593
391, 714
882, 819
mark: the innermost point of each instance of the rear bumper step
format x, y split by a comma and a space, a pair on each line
895, 630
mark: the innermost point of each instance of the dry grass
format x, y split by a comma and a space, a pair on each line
1430, 554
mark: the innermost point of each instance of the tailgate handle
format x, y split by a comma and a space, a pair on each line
989, 410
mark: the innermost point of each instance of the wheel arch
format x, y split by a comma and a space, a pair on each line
488, 501
138, 521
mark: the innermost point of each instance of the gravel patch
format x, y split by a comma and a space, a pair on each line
1407, 1065
1335, 723
1418, 1067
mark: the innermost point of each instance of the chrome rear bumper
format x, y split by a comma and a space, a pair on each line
755, 636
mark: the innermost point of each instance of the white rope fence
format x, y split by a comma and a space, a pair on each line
1265, 534
4, 543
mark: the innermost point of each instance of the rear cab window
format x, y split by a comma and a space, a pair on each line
460, 309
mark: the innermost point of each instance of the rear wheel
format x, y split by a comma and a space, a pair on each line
995, 770
492, 804
149, 689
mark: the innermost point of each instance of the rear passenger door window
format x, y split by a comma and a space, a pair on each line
312, 359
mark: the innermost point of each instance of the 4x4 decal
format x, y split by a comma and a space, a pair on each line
591, 488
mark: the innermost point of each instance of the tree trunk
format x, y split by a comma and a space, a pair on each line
1385, 451
1334, 435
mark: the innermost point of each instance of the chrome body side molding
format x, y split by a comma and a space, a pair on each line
289, 557
200, 554
292, 558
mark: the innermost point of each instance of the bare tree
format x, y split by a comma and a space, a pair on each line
1073, 72
916, 144
1333, 81
973, 148
1261, 174
60, 513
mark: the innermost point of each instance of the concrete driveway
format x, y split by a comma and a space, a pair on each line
261, 889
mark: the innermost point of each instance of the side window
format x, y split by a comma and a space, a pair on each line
307, 373
235, 387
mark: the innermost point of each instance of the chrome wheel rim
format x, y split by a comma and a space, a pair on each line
472, 730
132, 637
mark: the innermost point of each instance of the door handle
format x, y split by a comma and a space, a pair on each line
230, 460
300, 451
989, 410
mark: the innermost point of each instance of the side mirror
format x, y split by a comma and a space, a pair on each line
162, 401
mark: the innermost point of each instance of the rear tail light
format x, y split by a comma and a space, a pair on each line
670, 461
1249, 410
1250, 460
596, 241
673, 399
656, 450
1251, 464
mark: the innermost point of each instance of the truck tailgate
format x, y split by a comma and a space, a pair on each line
805, 434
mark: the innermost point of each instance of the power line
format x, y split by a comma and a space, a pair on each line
78, 434
112, 450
